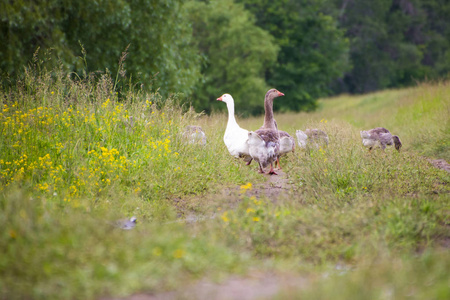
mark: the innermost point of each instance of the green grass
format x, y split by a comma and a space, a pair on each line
74, 158
423, 277
419, 116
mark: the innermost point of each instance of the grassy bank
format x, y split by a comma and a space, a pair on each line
418, 115
75, 158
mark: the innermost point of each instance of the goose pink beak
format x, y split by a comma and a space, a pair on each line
219, 99
280, 93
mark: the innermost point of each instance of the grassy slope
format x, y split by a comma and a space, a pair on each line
376, 211
72, 161
420, 116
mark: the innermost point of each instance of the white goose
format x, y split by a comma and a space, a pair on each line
235, 137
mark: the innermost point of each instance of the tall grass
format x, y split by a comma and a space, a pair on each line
424, 277
419, 116
394, 199
76, 143
74, 158
77, 154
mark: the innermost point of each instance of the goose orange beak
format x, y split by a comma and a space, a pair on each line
280, 93
219, 99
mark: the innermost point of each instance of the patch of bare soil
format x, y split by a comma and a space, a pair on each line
440, 164
275, 188
256, 286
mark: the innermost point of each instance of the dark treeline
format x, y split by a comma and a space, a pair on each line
394, 43
202, 49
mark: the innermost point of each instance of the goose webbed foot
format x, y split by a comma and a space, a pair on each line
261, 169
272, 172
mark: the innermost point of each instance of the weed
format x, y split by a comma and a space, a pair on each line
77, 154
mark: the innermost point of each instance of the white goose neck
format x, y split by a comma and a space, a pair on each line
231, 119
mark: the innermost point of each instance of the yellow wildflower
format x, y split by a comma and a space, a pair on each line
179, 253
157, 251
225, 217
246, 187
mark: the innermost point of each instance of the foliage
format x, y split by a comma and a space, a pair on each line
236, 55
54, 254
343, 187
394, 43
75, 159
422, 277
437, 36
313, 49
87, 35
198, 50
67, 146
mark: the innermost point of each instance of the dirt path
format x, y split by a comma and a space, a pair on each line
256, 285
276, 187
440, 164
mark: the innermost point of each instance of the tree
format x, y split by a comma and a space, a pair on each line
156, 30
380, 53
313, 49
394, 43
437, 34
236, 54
